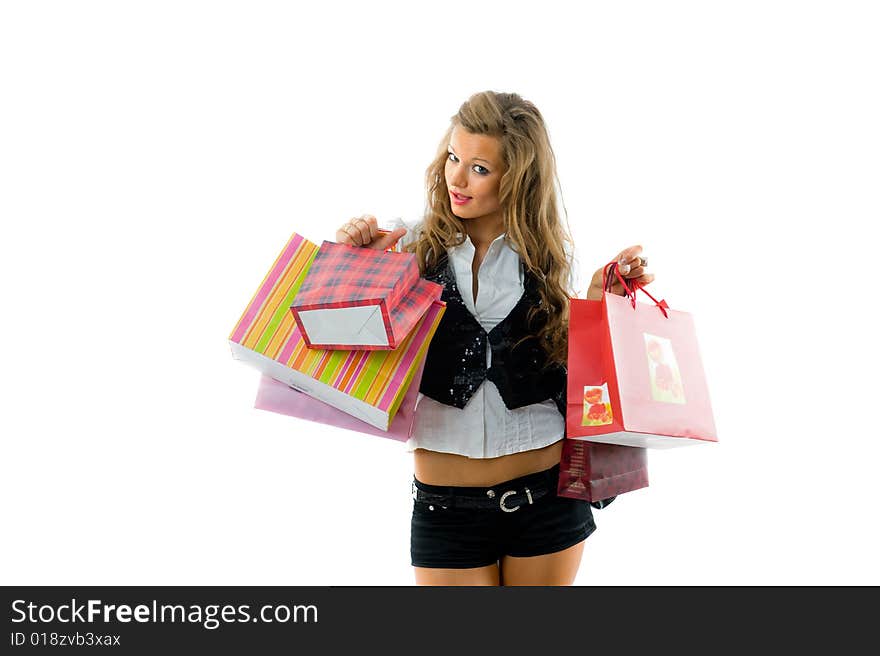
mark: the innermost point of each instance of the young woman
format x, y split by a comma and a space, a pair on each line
490, 419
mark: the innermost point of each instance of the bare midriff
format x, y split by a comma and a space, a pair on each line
436, 468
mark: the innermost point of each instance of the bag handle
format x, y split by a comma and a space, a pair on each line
608, 281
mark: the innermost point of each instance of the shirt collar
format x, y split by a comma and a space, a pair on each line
467, 243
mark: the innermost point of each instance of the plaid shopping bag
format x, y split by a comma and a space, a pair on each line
361, 298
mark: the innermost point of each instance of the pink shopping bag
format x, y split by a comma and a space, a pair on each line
277, 397
635, 377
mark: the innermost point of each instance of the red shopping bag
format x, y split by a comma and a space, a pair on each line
357, 298
598, 472
635, 376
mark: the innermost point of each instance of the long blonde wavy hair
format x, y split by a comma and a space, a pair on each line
528, 197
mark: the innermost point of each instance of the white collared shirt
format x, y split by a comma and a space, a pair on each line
485, 427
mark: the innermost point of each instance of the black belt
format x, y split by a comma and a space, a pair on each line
507, 497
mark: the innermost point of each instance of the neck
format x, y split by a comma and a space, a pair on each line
485, 229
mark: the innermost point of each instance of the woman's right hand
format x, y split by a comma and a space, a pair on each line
364, 231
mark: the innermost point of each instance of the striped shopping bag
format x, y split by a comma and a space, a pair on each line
367, 384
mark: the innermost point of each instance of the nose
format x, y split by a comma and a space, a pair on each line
458, 177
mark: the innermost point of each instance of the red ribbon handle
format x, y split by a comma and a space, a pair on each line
631, 293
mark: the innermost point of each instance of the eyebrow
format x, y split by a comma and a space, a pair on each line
475, 159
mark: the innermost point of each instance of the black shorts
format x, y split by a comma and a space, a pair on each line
460, 527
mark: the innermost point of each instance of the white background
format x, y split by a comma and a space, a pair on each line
155, 156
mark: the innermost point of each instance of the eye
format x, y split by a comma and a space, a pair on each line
482, 169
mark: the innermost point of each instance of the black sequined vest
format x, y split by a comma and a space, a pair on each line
456, 362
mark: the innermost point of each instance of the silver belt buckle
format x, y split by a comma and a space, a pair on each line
507, 494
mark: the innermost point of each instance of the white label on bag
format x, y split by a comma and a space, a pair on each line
666, 385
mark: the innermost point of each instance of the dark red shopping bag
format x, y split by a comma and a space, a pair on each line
597, 472
635, 377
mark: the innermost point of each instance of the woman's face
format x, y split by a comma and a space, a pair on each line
473, 169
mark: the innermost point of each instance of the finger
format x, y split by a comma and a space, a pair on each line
361, 224
369, 227
642, 280
632, 267
617, 286
373, 225
353, 234
387, 241
634, 273
344, 235
629, 254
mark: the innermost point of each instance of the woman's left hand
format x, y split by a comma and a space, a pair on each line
632, 265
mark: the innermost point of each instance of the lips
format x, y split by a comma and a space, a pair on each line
458, 199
